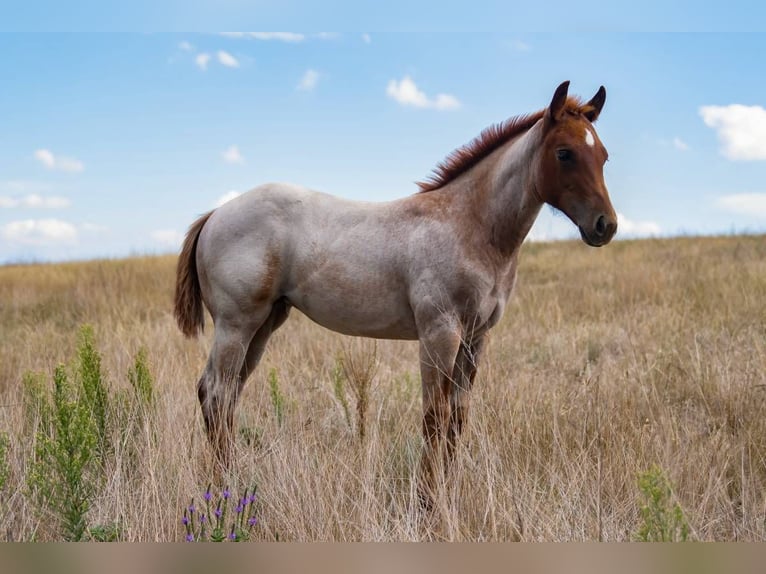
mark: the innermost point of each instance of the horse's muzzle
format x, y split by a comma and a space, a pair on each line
602, 232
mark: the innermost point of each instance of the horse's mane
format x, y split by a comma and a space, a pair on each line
465, 157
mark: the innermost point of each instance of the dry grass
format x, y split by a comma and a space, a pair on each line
607, 362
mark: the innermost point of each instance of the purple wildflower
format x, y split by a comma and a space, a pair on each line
233, 535
252, 521
185, 520
190, 537
240, 508
208, 496
218, 512
191, 509
251, 499
226, 494
202, 519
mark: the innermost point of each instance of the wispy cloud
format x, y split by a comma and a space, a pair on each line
167, 237
232, 155
227, 59
18, 186
34, 201
288, 37
406, 92
366, 38
185, 46
228, 196
202, 60
676, 143
39, 232
680, 144
291, 37
741, 130
521, 46
60, 163
753, 204
309, 81
628, 228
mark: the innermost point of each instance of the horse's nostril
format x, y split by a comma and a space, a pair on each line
600, 225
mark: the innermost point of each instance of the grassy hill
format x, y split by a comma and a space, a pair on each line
643, 356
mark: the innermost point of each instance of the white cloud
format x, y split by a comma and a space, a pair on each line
202, 60
167, 237
407, 93
753, 204
34, 201
280, 36
680, 144
60, 163
366, 39
446, 102
186, 46
227, 59
309, 81
231, 155
741, 130
39, 232
46, 158
228, 196
289, 37
629, 228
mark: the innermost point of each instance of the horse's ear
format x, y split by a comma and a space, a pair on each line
593, 108
557, 103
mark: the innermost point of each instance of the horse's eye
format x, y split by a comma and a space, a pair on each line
564, 154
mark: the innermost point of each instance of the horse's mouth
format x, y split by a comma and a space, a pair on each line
592, 239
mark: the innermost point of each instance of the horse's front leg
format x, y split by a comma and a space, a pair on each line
438, 348
466, 365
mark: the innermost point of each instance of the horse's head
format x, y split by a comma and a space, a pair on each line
571, 159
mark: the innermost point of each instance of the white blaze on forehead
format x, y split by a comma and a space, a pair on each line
589, 139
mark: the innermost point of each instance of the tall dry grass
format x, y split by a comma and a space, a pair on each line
607, 362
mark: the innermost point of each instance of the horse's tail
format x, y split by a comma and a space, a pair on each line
189, 312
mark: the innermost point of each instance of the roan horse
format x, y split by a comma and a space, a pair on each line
437, 266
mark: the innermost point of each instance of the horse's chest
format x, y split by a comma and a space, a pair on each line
495, 298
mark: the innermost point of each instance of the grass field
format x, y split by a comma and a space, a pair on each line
608, 363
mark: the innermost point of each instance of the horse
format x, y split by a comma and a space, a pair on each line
437, 266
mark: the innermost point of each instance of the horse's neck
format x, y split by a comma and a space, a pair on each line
502, 192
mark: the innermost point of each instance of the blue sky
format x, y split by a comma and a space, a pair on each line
111, 144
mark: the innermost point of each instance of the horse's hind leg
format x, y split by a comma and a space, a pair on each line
237, 349
219, 385
278, 315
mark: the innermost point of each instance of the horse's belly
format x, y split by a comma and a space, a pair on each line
361, 312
